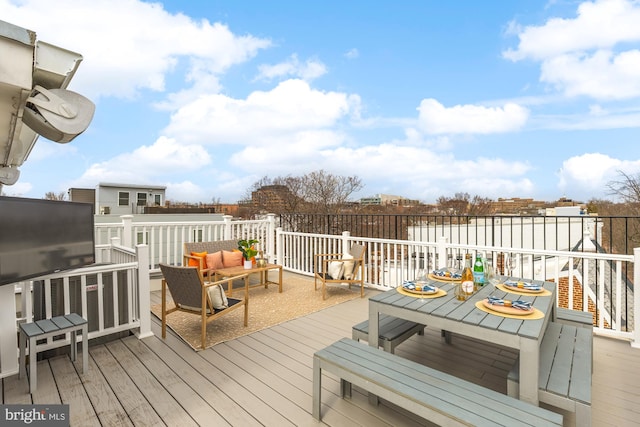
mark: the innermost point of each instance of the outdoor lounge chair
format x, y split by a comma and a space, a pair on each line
336, 268
190, 293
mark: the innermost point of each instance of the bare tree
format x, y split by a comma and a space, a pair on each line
627, 188
329, 193
50, 195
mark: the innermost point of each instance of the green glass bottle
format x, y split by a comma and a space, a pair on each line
478, 272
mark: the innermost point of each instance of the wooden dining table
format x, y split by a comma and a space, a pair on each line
464, 318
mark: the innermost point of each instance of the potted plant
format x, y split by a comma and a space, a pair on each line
247, 247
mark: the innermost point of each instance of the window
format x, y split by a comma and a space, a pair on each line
123, 198
142, 199
197, 235
157, 200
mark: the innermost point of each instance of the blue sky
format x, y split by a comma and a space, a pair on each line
418, 98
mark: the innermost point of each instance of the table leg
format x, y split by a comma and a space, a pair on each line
529, 367
85, 348
23, 357
373, 337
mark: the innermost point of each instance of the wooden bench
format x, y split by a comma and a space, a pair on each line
429, 393
578, 318
392, 331
47, 328
565, 370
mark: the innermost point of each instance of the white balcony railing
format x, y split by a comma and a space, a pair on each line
591, 281
114, 294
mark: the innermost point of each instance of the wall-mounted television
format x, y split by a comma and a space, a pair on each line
39, 237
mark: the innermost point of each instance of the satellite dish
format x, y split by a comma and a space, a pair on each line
58, 114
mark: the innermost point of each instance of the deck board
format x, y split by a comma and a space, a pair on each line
133, 403
265, 378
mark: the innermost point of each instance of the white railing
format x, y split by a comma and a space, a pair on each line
389, 262
114, 294
165, 239
113, 297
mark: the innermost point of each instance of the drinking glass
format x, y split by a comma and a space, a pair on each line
421, 279
490, 275
509, 264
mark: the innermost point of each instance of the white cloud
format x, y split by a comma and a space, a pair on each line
309, 70
185, 191
19, 189
129, 45
434, 118
579, 57
591, 172
602, 75
352, 53
276, 115
146, 163
600, 24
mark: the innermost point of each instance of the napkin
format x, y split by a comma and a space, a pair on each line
522, 305
411, 286
525, 285
442, 273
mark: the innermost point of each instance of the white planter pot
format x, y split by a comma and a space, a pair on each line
248, 264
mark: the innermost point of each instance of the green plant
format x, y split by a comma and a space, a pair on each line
247, 248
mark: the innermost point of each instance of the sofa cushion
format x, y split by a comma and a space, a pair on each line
194, 262
214, 261
231, 258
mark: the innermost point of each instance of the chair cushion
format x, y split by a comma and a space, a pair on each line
348, 266
231, 258
335, 269
194, 262
214, 261
218, 297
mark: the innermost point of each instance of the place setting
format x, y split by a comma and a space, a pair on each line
515, 309
521, 287
446, 275
420, 287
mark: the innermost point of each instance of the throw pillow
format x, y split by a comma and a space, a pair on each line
194, 262
335, 269
231, 258
348, 266
218, 297
214, 261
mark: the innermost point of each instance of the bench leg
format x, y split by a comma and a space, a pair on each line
345, 389
317, 388
85, 348
447, 336
23, 356
33, 363
73, 345
583, 415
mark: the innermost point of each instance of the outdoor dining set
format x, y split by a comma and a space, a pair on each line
554, 364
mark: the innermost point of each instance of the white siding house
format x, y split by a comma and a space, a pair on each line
123, 199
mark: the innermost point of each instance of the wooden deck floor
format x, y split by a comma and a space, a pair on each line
265, 379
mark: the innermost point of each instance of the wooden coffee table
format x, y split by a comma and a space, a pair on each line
239, 270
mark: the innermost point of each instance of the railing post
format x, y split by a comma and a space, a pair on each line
8, 341
227, 227
442, 251
144, 292
271, 218
279, 247
635, 341
345, 242
127, 230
